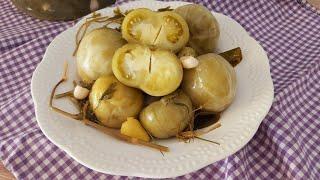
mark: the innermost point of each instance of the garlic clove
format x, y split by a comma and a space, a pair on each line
189, 62
80, 92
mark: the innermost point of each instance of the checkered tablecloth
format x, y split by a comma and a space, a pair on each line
286, 146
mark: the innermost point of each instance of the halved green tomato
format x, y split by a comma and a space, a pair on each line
156, 72
166, 30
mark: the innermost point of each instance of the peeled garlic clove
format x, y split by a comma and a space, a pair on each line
189, 62
80, 92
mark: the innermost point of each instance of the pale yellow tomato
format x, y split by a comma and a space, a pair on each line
95, 53
168, 116
203, 26
212, 84
112, 102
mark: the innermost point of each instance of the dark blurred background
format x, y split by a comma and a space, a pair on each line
60, 10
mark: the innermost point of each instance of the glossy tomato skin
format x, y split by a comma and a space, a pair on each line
156, 72
212, 84
95, 53
167, 117
116, 106
203, 26
165, 30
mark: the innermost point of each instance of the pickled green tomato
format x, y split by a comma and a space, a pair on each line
114, 109
156, 72
95, 53
165, 30
212, 84
203, 26
168, 116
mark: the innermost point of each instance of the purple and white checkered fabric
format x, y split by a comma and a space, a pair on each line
286, 146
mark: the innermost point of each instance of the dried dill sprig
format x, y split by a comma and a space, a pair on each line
58, 110
171, 99
168, 8
206, 140
108, 93
97, 18
186, 136
91, 116
65, 94
70, 93
118, 12
75, 102
86, 85
87, 117
150, 64
201, 123
116, 134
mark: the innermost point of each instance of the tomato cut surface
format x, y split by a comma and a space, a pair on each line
156, 72
166, 30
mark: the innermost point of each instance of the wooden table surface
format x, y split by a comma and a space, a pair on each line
315, 3
6, 175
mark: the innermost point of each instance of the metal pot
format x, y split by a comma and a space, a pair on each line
60, 9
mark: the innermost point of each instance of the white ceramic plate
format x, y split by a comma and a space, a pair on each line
105, 154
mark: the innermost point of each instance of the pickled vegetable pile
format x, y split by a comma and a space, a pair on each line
155, 75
